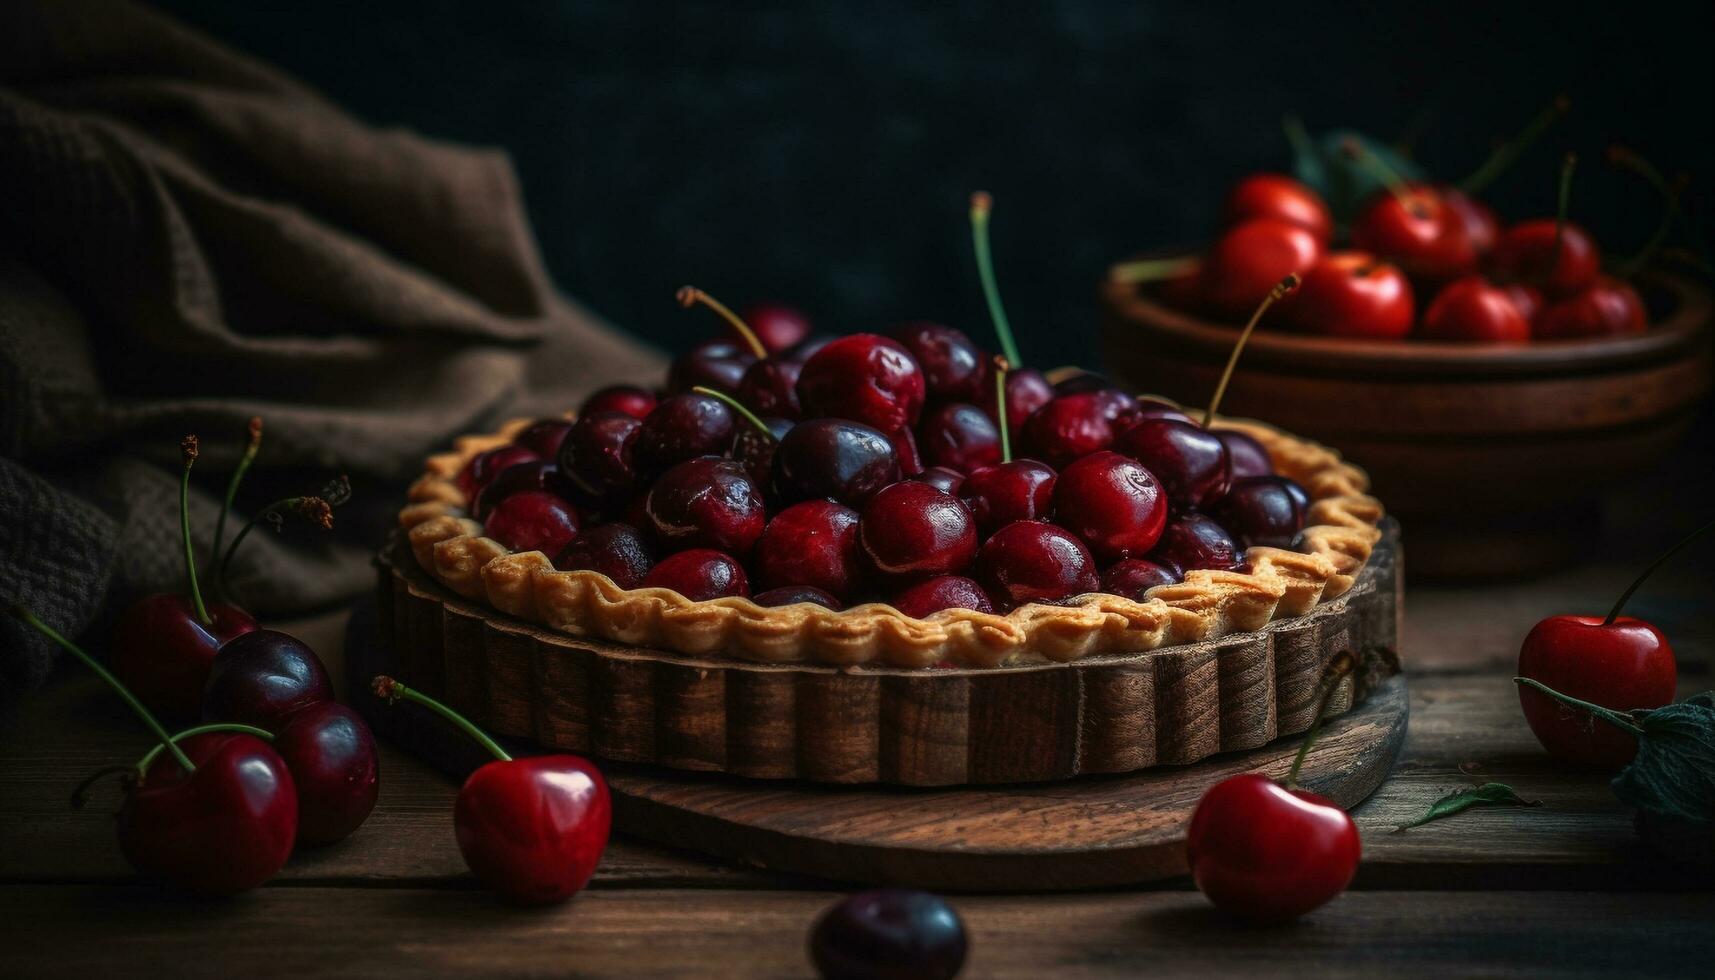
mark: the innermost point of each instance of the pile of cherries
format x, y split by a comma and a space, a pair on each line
791, 468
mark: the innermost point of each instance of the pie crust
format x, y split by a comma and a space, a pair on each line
1337, 540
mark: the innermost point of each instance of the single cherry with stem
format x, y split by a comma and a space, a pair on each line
1411, 225
1558, 256
532, 829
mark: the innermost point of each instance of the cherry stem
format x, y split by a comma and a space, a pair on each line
1151, 270
238, 472
690, 296
314, 507
1001, 367
113, 682
80, 795
1376, 168
1507, 154
188, 451
1563, 201
391, 690
1614, 613
1282, 288
981, 205
1618, 719
1336, 671
1620, 156
734, 404
219, 726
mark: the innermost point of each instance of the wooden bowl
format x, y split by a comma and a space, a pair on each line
1490, 456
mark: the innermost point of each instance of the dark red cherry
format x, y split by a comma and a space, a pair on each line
1472, 310
1609, 308
717, 364
534, 520
1155, 408
1299, 494
1113, 503
930, 596
889, 934
1246, 456
942, 478
598, 455
683, 427
836, 458
1081, 381
1250, 260
484, 467
1026, 391
537, 475
630, 399
778, 326
699, 574
1189, 460
335, 768
1134, 577
543, 437
756, 451
790, 595
1533, 252
162, 650
864, 377
807, 348
905, 450
263, 678
706, 503
954, 368
1070, 427
1278, 196
1028, 561
1261, 511
770, 387
616, 550
1194, 541
911, 530
959, 436
813, 543
1022, 490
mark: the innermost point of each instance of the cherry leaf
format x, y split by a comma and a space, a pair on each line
1488, 794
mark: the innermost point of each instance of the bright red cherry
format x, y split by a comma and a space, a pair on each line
1354, 294
943, 479
911, 530
1261, 511
1482, 227
599, 456
616, 550
814, 544
1609, 308
1189, 461
1245, 454
263, 678
845, 461
1134, 577
954, 368
1472, 310
1533, 252
532, 829
1113, 503
1417, 230
1194, 541
162, 650
699, 575
543, 437
335, 768
778, 326
959, 436
1266, 853
1251, 259
629, 399
534, 520
717, 364
1278, 196
1029, 561
683, 427
791, 595
1022, 490
931, 596
484, 467
706, 503
864, 377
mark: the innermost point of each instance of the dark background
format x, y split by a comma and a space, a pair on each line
822, 153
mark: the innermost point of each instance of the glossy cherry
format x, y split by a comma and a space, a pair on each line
534, 520
682, 427
717, 364
535, 475
263, 678
1071, 427
1281, 197
532, 829
835, 458
1134, 577
932, 595
959, 436
1261, 511
1250, 259
628, 399
1189, 461
1474, 311
335, 768
599, 456
1416, 229
943, 479
911, 530
866, 378
1020, 490
1528, 252
813, 543
1026, 391
1246, 456
889, 934
791, 595
770, 387
543, 437
706, 503
1030, 561
616, 550
1195, 541
1609, 308
1354, 294
485, 466
1113, 502
699, 574
954, 368
778, 326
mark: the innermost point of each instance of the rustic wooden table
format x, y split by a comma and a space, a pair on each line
1566, 886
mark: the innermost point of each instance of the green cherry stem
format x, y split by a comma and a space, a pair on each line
1281, 289
1336, 671
689, 296
219, 726
1001, 367
188, 451
1627, 159
388, 689
113, 682
1507, 154
1563, 203
244, 461
981, 205
1151, 270
1616, 718
734, 404
1625, 596
1373, 165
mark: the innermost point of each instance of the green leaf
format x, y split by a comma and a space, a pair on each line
1322, 163
1488, 794
1674, 772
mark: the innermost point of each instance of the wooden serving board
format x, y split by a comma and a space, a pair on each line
958, 727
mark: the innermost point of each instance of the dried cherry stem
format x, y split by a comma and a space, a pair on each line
188, 452
1627, 159
1001, 367
219, 726
1342, 664
734, 404
124, 693
1618, 719
244, 461
1395, 184
1563, 203
390, 690
1614, 613
1151, 270
317, 509
1507, 154
689, 296
981, 205
1280, 290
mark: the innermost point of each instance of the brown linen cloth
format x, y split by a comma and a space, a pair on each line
190, 238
